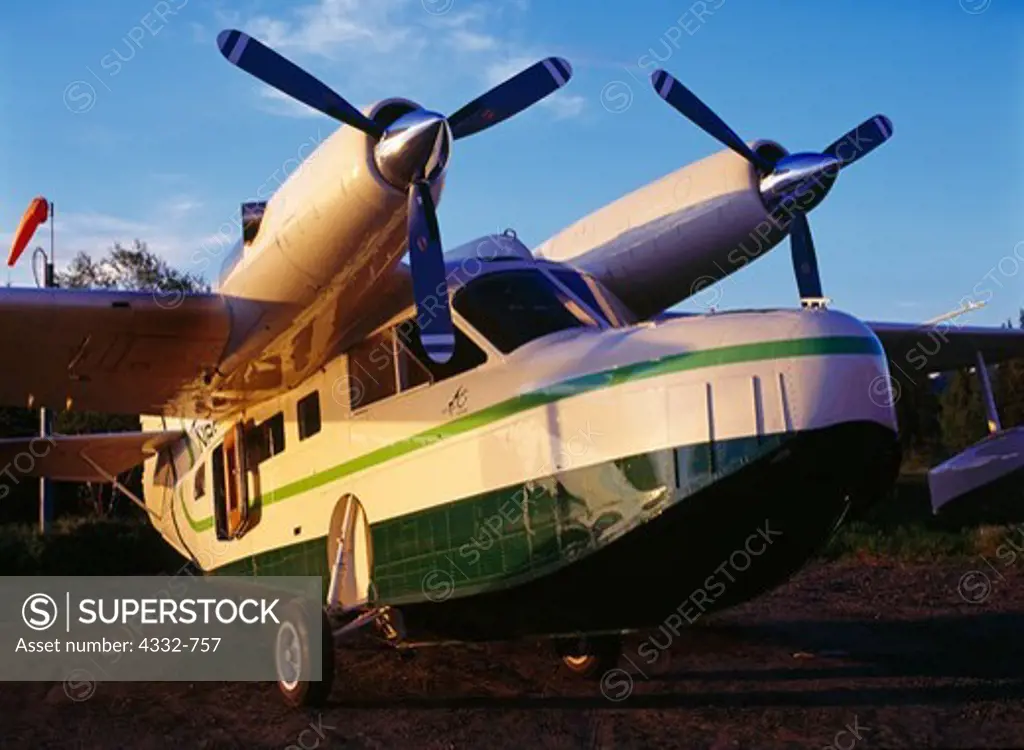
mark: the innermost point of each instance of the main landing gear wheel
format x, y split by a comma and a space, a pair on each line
590, 656
293, 657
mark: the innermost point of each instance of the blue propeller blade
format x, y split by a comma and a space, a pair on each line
428, 275
687, 104
511, 97
861, 141
258, 60
805, 261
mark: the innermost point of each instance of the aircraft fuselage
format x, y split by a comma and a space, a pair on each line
513, 473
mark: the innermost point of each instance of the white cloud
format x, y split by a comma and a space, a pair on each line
276, 103
472, 41
96, 233
501, 70
200, 34
565, 105
387, 45
92, 223
328, 26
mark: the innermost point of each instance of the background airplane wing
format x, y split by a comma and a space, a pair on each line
918, 349
111, 351
62, 457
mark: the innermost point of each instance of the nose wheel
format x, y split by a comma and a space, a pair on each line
294, 654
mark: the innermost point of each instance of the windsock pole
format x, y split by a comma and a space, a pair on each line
38, 212
45, 416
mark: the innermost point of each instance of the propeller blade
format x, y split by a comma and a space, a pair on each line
428, 275
861, 141
805, 261
258, 60
511, 97
687, 104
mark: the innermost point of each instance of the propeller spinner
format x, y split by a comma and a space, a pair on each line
791, 184
411, 154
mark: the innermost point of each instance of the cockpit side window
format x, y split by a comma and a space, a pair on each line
511, 308
393, 361
467, 355
371, 369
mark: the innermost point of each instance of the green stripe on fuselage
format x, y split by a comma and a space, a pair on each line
503, 537
725, 355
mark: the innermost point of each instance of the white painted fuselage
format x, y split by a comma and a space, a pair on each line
577, 399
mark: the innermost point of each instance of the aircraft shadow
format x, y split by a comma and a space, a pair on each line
894, 662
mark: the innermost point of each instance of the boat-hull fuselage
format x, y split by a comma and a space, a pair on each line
593, 480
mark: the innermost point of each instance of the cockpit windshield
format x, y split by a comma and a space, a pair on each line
511, 308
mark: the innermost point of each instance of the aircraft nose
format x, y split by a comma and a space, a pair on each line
805, 179
416, 146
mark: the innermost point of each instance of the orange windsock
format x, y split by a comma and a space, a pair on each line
36, 213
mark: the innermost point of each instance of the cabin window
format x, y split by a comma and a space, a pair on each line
266, 439
467, 355
199, 483
308, 410
371, 369
511, 308
596, 296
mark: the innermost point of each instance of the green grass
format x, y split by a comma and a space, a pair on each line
902, 526
912, 543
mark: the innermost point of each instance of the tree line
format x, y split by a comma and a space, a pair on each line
941, 415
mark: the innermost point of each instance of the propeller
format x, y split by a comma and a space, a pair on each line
791, 184
411, 154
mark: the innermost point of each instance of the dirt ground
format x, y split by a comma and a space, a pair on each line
853, 654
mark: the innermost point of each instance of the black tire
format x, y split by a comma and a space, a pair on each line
590, 656
293, 657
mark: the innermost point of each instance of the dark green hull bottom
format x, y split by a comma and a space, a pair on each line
623, 545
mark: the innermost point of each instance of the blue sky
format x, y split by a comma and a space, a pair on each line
128, 118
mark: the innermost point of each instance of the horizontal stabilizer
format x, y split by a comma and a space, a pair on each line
982, 465
79, 458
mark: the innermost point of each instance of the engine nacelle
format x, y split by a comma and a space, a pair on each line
335, 224
675, 236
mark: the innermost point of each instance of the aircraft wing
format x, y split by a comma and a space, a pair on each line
110, 351
918, 349
64, 457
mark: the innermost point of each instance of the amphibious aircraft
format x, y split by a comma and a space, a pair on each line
490, 442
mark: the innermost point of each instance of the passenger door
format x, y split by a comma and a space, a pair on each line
230, 490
